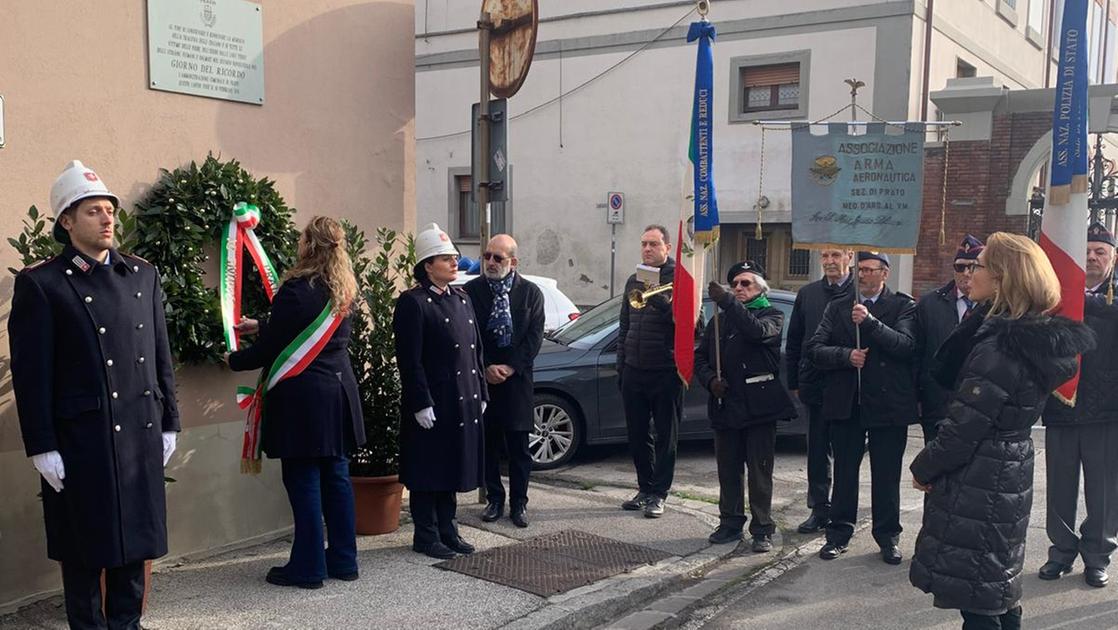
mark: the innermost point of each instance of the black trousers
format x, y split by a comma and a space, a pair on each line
653, 401
818, 463
1089, 448
515, 443
736, 451
886, 448
1010, 620
930, 427
433, 514
124, 596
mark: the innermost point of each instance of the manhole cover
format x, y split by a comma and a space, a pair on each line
555, 563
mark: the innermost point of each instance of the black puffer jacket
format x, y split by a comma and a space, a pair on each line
750, 344
646, 337
971, 548
1095, 400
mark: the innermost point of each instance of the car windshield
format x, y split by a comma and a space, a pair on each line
591, 326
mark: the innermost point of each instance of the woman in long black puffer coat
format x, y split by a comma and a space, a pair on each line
978, 472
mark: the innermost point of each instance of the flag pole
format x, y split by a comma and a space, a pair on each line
854, 85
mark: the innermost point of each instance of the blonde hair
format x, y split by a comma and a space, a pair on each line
323, 257
1026, 282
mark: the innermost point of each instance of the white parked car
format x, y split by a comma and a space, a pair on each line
558, 308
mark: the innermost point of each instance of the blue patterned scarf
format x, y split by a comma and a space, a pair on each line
500, 317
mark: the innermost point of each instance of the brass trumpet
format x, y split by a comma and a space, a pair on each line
639, 299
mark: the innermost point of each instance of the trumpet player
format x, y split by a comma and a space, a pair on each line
651, 391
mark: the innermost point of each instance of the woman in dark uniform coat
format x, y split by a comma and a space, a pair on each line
438, 352
313, 419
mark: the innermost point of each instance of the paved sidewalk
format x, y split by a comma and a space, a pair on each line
400, 589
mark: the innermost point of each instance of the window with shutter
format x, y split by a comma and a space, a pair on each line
770, 87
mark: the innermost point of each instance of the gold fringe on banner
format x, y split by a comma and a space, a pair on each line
943, 197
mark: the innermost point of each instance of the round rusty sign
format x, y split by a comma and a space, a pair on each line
512, 42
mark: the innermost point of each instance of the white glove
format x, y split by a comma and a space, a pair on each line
169, 439
425, 417
483, 406
50, 466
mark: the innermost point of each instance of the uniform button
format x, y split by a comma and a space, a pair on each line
139, 326
116, 428
446, 319
69, 272
140, 360
461, 398
455, 345
109, 363
471, 346
138, 294
147, 426
473, 371
101, 330
475, 420
459, 373
428, 300
471, 321
882, 364
475, 395
135, 267
463, 301
116, 396
147, 392
461, 424
88, 299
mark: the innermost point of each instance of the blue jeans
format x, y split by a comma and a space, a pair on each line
319, 487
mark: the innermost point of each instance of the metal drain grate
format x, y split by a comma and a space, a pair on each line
555, 563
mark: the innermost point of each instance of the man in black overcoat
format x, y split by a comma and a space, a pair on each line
510, 315
937, 315
1084, 438
869, 394
807, 382
95, 392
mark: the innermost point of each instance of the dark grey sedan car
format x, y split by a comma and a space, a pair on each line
576, 393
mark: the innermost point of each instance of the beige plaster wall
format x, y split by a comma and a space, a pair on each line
336, 134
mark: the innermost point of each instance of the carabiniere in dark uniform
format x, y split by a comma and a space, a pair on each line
94, 380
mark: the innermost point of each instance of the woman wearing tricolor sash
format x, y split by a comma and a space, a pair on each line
311, 409
438, 352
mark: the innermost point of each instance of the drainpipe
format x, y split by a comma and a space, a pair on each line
927, 59
1048, 43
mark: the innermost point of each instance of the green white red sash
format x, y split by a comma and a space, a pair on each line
237, 236
295, 358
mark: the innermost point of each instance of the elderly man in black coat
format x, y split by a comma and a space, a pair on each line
510, 314
937, 314
95, 392
1084, 438
806, 381
746, 400
866, 344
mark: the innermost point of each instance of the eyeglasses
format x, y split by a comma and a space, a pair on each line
979, 266
497, 258
745, 284
868, 270
965, 267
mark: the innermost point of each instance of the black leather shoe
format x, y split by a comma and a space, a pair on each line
637, 502
345, 577
1053, 570
724, 534
278, 576
492, 512
1096, 577
654, 508
830, 551
435, 550
762, 544
458, 545
519, 516
890, 554
813, 524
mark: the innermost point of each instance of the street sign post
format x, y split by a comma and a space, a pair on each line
615, 215
498, 150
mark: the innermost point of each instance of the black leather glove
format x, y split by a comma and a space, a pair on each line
718, 386
716, 292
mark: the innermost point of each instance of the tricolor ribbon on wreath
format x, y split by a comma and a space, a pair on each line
240, 235
295, 358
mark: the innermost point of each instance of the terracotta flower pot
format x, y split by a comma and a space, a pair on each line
377, 501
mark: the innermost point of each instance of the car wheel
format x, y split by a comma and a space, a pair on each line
557, 433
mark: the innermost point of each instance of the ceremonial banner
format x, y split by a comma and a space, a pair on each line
1063, 228
857, 191
701, 149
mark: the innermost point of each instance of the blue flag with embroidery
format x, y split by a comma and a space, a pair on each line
701, 151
